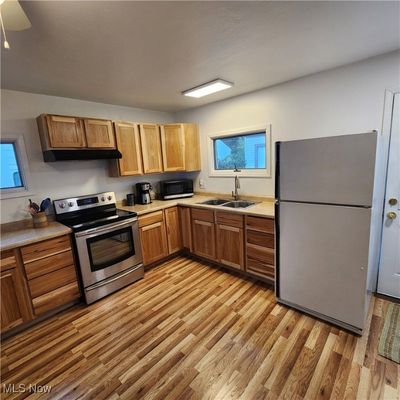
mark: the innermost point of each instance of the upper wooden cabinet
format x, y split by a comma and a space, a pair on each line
180, 147
151, 148
99, 133
65, 132
128, 143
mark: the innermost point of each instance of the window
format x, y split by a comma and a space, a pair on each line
10, 169
247, 150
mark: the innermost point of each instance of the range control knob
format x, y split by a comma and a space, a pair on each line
62, 205
70, 204
103, 198
109, 198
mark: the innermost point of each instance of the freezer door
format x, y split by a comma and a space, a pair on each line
333, 170
323, 258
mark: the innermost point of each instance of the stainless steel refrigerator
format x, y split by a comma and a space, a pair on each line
330, 195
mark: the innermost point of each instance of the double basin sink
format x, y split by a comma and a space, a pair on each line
228, 203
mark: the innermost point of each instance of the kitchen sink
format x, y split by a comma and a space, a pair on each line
239, 204
214, 202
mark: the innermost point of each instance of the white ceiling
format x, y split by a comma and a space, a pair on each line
143, 54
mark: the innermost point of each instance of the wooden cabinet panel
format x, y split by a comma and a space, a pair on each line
173, 147
186, 228
99, 133
46, 265
260, 253
203, 214
56, 298
64, 132
151, 148
204, 238
230, 246
45, 248
150, 218
11, 313
230, 219
192, 147
173, 230
128, 143
154, 242
260, 268
261, 239
51, 281
260, 224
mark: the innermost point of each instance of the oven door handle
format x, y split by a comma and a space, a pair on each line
106, 229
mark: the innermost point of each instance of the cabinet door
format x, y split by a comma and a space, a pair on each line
128, 143
186, 229
154, 242
151, 148
65, 132
173, 147
204, 239
192, 148
99, 133
230, 246
173, 230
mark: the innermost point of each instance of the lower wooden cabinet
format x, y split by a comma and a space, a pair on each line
15, 302
172, 224
186, 227
203, 229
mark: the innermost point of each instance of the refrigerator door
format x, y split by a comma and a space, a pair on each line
333, 170
323, 258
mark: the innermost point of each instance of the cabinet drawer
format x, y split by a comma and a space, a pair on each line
56, 298
49, 282
261, 254
261, 239
260, 268
46, 265
260, 224
151, 218
230, 219
8, 260
46, 248
203, 215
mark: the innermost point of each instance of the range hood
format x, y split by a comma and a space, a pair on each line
68, 155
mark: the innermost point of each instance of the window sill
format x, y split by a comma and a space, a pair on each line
14, 193
241, 174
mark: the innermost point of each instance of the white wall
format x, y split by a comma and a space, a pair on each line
340, 101
62, 179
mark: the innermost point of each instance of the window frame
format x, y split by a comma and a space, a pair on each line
22, 161
245, 173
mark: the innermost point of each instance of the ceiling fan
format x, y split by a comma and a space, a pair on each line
12, 18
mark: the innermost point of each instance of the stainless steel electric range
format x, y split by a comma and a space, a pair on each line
107, 242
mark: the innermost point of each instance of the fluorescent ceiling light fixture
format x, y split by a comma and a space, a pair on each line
208, 88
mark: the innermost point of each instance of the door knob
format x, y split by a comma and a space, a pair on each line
391, 215
392, 201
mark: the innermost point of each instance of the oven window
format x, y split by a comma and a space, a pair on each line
110, 248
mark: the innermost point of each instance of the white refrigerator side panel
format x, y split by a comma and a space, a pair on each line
332, 170
323, 258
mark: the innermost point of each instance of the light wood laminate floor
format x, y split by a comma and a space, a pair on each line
191, 331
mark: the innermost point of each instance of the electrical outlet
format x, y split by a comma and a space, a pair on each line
202, 184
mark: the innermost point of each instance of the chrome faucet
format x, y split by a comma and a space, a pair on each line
235, 193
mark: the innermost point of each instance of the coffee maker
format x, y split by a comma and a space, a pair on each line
143, 192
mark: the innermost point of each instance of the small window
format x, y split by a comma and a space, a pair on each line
11, 176
246, 150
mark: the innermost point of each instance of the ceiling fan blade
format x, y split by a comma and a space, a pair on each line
14, 17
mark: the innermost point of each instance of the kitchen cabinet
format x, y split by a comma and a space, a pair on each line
186, 227
153, 237
74, 133
151, 148
260, 247
15, 302
230, 239
51, 273
172, 223
203, 229
99, 133
180, 147
128, 143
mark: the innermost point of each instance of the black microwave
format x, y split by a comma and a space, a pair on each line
176, 189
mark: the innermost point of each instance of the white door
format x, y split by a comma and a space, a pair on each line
389, 269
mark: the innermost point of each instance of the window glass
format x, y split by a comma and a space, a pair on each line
242, 151
10, 170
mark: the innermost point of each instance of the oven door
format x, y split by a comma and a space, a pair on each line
108, 250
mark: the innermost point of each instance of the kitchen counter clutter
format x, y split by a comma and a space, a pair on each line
20, 234
261, 208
